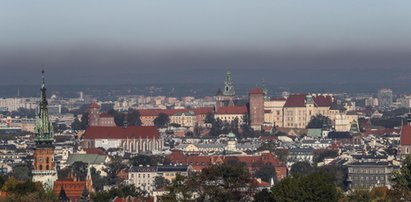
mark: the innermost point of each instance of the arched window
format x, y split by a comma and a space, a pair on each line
41, 167
47, 160
47, 167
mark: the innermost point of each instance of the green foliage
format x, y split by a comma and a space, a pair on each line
320, 155
98, 180
318, 121
121, 191
160, 182
162, 120
119, 117
391, 122
85, 195
270, 146
80, 169
317, 186
209, 118
263, 196
113, 168
27, 191
402, 179
133, 117
230, 181
301, 168
22, 172
266, 172
141, 159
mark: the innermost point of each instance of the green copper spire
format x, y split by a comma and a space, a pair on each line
228, 85
44, 129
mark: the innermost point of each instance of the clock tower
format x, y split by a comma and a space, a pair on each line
44, 166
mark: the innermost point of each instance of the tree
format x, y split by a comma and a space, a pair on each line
318, 121
263, 196
80, 169
22, 172
76, 124
133, 117
141, 159
209, 118
230, 181
317, 186
302, 168
27, 191
402, 180
119, 117
266, 172
320, 155
120, 191
113, 168
84, 121
85, 195
160, 182
162, 120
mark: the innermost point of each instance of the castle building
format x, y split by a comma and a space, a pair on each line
44, 165
99, 119
256, 97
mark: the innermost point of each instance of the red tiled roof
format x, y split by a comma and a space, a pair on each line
405, 138
323, 101
256, 91
296, 100
203, 110
232, 110
94, 105
96, 132
156, 112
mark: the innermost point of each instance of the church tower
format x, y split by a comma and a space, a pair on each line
229, 85
227, 94
44, 166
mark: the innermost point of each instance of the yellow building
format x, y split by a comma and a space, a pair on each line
230, 113
273, 111
185, 119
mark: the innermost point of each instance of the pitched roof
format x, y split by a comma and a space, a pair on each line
156, 112
323, 101
298, 100
94, 105
405, 138
232, 110
86, 158
203, 110
295, 100
130, 132
256, 91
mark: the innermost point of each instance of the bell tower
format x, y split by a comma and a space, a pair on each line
44, 166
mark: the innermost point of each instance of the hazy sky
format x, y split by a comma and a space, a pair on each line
196, 41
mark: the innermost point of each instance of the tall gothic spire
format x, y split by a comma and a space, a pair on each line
228, 85
44, 128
